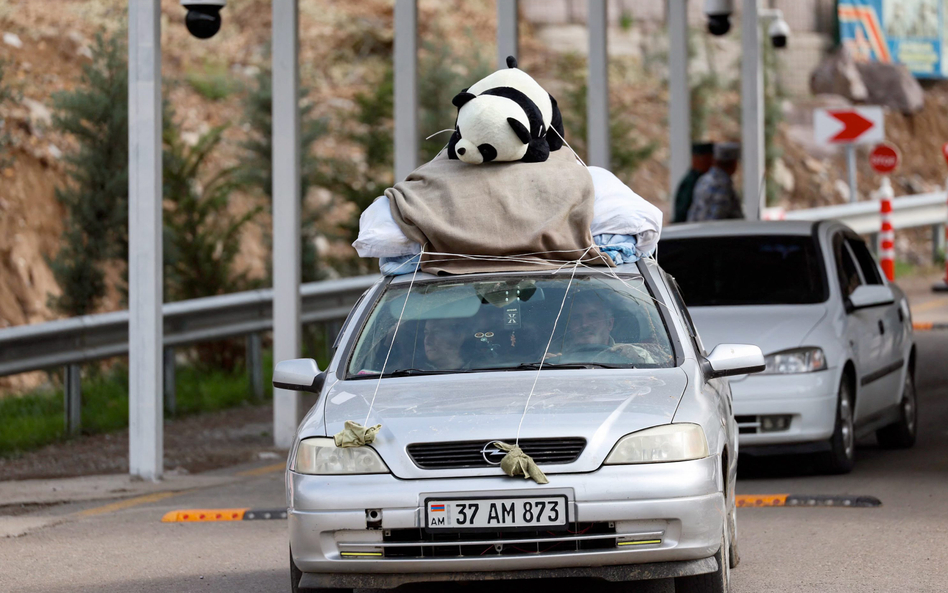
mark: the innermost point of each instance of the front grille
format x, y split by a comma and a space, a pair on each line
579, 538
468, 453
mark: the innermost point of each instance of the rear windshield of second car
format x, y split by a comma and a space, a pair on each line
745, 270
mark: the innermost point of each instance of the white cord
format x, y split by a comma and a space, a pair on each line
441, 132
394, 335
568, 146
547, 350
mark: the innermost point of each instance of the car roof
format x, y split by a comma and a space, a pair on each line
739, 228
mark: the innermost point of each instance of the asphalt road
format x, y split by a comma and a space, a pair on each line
900, 546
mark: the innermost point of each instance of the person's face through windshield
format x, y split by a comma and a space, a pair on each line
590, 322
443, 340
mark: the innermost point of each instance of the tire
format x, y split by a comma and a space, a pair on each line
841, 457
718, 581
902, 433
296, 574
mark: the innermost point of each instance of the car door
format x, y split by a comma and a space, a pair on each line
891, 328
862, 331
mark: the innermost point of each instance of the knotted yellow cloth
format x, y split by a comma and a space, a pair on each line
518, 463
356, 435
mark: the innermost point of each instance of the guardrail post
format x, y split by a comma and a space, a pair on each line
72, 392
168, 363
938, 241
255, 367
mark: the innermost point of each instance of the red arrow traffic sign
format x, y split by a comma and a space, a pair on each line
854, 126
884, 159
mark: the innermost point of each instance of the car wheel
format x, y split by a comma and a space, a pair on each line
296, 574
842, 454
718, 581
901, 434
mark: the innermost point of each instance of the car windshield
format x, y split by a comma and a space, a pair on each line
506, 323
751, 270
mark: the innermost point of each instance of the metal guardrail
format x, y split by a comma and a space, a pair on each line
864, 217
94, 337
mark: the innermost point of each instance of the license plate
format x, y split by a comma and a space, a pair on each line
495, 513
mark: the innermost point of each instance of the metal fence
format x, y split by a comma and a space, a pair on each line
72, 342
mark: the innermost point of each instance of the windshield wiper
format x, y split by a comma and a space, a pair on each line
411, 372
532, 366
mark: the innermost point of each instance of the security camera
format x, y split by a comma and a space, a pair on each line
779, 31
204, 17
719, 15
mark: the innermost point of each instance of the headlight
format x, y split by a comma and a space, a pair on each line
797, 360
671, 442
321, 456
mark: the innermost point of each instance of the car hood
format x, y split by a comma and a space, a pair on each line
600, 405
773, 328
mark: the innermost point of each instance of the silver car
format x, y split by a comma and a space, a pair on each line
597, 375
837, 334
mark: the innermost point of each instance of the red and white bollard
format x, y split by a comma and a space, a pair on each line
886, 234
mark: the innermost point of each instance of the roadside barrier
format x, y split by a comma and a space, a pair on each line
887, 233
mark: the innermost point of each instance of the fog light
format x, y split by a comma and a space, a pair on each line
774, 423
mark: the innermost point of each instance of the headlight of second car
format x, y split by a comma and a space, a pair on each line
797, 360
669, 442
321, 456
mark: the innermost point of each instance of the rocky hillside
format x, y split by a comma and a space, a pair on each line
345, 47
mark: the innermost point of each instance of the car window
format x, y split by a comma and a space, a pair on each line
848, 271
745, 270
867, 264
509, 322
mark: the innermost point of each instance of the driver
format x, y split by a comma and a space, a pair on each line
589, 334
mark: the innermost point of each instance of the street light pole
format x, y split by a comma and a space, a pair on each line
597, 93
752, 110
286, 212
145, 277
679, 100
406, 90
507, 39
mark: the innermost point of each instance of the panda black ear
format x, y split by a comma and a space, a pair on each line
511, 62
522, 132
461, 98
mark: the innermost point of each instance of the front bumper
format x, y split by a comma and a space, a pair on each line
809, 398
682, 501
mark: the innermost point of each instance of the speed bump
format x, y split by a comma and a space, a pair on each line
804, 500
214, 515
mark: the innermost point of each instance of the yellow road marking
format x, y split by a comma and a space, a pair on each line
761, 500
199, 515
267, 469
128, 503
928, 306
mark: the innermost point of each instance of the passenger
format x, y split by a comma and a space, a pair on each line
443, 341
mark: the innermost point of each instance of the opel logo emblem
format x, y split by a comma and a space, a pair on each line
492, 454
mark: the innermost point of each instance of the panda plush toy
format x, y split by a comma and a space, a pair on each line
506, 116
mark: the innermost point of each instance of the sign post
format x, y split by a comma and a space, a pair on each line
849, 127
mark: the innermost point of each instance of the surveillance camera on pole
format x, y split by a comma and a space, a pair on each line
719, 15
204, 17
779, 32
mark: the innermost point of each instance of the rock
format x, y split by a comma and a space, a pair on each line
39, 113
893, 86
55, 152
13, 40
85, 52
838, 74
783, 176
813, 165
842, 189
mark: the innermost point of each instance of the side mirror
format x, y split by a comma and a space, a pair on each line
869, 295
299, 374
734, 359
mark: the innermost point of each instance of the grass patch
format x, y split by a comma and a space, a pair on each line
212, 81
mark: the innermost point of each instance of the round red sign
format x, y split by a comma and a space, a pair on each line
884, 158
944, 150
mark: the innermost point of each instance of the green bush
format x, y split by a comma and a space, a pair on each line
212, 81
